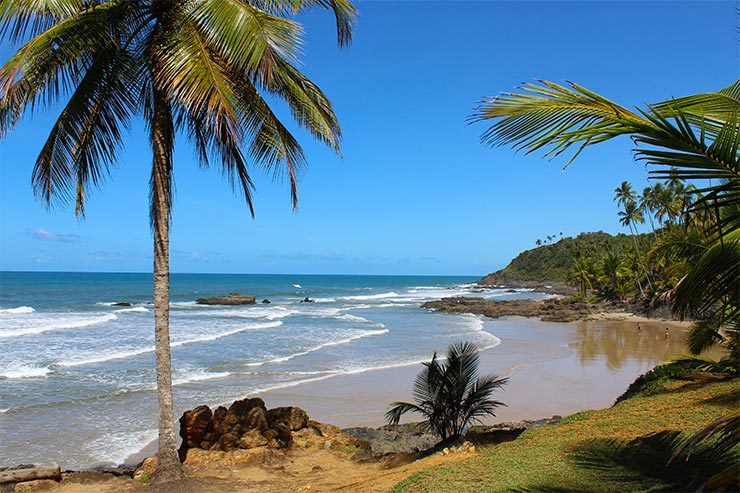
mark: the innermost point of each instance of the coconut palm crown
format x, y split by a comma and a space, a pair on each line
204, 69
449, 394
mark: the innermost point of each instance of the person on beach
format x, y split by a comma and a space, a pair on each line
666, 333
639, 327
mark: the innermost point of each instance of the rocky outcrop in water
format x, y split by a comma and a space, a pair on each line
229, 299
553, 310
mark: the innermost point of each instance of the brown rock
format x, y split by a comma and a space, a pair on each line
284, 435
230, 299
36, 485
252, 438
146, 468
218, 416
294, 417
256, 419
229, 441
193, 425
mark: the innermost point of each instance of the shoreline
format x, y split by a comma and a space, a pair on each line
548, 377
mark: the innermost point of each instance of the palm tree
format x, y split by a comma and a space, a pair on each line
647, 207
612, 277
581, 272
624, 193
694, 138
201, 68
449, 394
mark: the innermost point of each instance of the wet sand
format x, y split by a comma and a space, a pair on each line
554, 368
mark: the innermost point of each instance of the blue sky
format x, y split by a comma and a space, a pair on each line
416, 193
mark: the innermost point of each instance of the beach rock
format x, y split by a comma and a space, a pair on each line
551, 310
230, 299
245, 424
295, 417
307, 300
36, 485
228, 442
145, 469
121, 303
252, 438
266, 301
193, 425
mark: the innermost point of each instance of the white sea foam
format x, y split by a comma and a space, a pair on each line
40, 323
136, 309
128, 353
5, 410
346, 340
297, 286
273, 313
198, 375
380, 296
24, 371
116, 447
18, 310
353, 318
325, 300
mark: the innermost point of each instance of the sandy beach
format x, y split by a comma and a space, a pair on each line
554, 368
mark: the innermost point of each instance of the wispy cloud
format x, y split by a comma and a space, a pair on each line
43, 235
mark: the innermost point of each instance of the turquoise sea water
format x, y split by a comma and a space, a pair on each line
77, 374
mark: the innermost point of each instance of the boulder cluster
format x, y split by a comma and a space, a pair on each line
247, 423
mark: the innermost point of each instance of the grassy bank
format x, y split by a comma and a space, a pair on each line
622, 448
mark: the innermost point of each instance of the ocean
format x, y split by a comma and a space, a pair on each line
77, 374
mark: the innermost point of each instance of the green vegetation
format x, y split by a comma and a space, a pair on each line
188, 69
622, 448
552, 262
450, 395
693, 143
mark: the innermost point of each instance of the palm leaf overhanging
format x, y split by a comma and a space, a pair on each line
694, 139
449, 394
203, 69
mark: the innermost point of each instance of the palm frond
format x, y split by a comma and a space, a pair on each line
344, 13
21, 18
715, 108
552, 116
247, 38
712, 282
52, 63
84, 140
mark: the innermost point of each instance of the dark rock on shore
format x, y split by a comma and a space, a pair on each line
230, 299
416, 437
553, 310
247, 423
121, 303
266, 301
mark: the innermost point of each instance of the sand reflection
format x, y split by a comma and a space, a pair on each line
618, 343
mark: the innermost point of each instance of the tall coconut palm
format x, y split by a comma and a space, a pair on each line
200, 68
630, 217
647, 206
624, 193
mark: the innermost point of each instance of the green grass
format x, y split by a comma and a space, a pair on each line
622, 448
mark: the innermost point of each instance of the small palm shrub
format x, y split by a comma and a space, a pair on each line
449, 394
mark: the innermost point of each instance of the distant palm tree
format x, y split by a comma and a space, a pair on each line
624, 193
449, 394
205, 69
647, 206
581, 272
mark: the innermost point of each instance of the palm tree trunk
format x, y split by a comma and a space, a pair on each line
168, 463
637, 254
